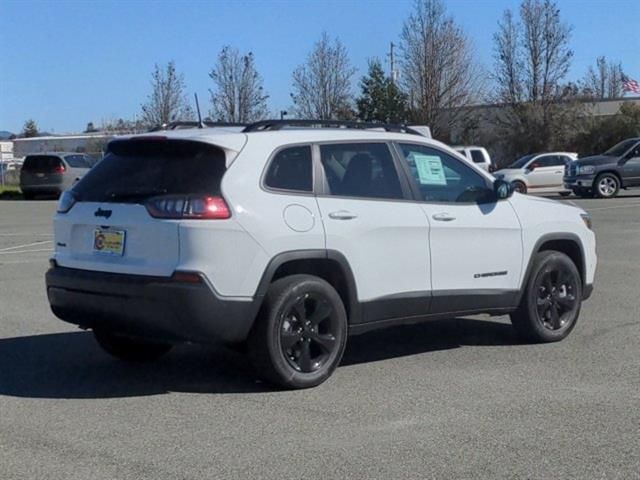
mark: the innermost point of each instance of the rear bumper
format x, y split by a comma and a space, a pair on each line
148, 307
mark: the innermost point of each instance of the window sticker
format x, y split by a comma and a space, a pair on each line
430, 170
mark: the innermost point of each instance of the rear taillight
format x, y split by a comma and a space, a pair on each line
188, 207
59, 169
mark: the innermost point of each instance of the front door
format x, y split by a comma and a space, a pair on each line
631, 168
369, 218
547, 174
476, 246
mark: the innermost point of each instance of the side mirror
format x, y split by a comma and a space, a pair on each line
502, 189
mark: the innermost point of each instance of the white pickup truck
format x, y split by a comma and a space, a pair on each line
477, 155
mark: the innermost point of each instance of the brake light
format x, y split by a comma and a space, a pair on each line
189, 207
60, 169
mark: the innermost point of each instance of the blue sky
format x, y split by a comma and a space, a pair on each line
65, 63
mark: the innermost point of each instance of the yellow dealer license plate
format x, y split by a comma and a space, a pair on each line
110, 242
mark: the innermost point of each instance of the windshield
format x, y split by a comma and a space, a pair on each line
522, 161
134, 170
621, 148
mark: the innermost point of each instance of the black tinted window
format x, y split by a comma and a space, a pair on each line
41, 163
361, 170
550, 161
133, 170
77, 161
291, 169
477, 156
442, 178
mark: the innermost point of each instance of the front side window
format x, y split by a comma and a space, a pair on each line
360, 170
550, 161
291, 169
442, 178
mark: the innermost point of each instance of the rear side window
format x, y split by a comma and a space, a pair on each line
551, 161
291, 169
361, 170
477, 156
41, 163
77, 161
134, 170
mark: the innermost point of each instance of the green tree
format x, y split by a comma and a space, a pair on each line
380, 99
30, 129
603, 133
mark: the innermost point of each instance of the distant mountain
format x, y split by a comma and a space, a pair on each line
4, 135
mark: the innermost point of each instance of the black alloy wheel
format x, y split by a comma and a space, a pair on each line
308, 332
551, 302
300, 334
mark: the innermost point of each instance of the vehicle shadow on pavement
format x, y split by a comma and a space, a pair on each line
71, 365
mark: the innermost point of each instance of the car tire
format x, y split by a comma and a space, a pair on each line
519, 187
300, 334
551, 301
130, 349
606, 185
564, 194
28, 195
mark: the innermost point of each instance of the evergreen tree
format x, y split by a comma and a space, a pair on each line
381, 99
30, 129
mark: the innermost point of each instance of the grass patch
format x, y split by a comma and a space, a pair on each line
10, 192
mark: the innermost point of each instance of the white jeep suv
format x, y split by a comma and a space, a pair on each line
288, 239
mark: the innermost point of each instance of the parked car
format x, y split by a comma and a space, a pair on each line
289, 239
538, 173
51, 173
477, 155
604, 175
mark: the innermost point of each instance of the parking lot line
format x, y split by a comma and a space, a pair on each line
615, 206
18, 247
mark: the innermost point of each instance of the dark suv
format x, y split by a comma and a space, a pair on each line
604, 175
52, 173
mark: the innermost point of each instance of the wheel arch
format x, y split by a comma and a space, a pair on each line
330, 265
567, 243
610, 171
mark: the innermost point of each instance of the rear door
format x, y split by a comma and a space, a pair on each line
368, 217
111, 229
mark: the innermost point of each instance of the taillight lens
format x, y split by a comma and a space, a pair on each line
66, 201
60, 169
188, 207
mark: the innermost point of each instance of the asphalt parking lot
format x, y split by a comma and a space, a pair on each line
454, 399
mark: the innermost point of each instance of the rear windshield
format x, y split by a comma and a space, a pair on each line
77, 161
41, 163
134, 170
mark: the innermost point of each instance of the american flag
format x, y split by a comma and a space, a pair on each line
630, 85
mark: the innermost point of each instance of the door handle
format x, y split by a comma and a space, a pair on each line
443, 217
342, 215
559, 171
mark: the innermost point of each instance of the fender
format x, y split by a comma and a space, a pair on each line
548, 237
311, 254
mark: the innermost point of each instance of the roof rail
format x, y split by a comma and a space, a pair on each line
270, 125
194, 124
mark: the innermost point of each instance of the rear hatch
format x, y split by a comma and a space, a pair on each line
127, 209
41, 170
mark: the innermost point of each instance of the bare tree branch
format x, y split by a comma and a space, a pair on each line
167, 101
322, 85
238, 94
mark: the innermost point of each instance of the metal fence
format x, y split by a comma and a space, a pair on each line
9, 177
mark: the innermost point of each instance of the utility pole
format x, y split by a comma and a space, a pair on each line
392, 63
